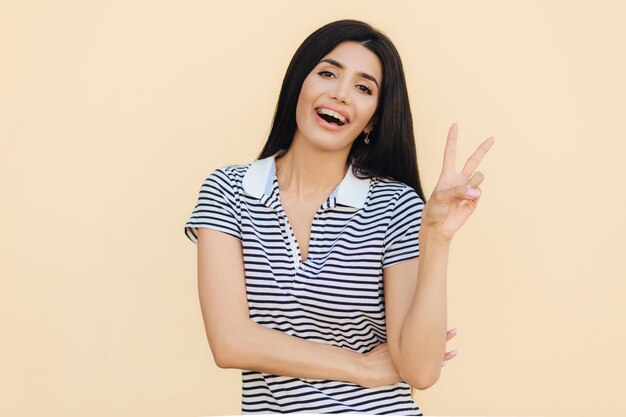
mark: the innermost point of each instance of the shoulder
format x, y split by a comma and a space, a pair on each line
228, 176
394, 191
234, 171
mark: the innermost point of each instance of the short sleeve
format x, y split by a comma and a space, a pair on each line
401, 238
216, 208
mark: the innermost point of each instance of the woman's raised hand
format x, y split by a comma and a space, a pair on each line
452, 201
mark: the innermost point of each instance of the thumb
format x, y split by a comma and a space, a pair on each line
460, 192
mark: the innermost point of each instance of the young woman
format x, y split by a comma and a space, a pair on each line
308, 268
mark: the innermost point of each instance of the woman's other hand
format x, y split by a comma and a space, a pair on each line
451, 203
379, 370
452, 354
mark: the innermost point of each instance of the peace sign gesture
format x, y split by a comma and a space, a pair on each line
452, 202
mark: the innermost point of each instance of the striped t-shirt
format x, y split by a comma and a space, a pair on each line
335, 296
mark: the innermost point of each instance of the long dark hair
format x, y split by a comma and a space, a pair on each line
391, 152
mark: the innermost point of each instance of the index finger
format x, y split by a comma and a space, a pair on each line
477, 156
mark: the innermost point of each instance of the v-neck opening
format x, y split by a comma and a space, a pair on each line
312, 238
295, 244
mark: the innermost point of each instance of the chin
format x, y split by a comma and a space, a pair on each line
322, 140
329, 142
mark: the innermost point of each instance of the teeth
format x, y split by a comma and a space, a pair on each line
336, 115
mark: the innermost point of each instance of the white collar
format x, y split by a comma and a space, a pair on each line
351, 191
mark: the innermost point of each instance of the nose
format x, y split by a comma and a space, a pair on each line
342, 91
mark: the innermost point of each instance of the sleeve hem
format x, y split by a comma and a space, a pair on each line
191, 231
399, 260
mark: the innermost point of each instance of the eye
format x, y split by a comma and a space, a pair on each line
365, 89
325, 72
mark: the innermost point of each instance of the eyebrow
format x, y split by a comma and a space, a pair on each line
340, 66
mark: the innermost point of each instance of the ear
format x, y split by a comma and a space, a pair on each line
370, 125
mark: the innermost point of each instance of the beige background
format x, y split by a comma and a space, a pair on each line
114, 112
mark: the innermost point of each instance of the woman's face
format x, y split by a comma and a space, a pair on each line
339, 97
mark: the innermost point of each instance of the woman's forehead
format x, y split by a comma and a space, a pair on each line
353, 56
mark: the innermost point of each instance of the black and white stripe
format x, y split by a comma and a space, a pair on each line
335, 296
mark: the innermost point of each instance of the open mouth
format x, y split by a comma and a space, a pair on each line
331, 116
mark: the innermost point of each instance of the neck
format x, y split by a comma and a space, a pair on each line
306, 171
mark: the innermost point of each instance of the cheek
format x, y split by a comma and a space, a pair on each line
366, 109
306, 98
310, 89
301, 108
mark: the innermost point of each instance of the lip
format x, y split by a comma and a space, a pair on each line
338, 110
326, 125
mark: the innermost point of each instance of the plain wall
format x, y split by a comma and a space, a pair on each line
114, 112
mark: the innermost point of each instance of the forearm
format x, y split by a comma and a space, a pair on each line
423, 336
261, 348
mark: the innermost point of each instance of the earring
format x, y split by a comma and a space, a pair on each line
367, 138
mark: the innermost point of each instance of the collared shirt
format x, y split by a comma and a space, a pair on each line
335, 296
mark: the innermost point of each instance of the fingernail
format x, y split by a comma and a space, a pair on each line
454, 352
472, 192
455, 330
444, 363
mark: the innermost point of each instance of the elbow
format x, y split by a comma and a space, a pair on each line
423, 385
422, 380
220, 357
221, 360
224, 351
225, 358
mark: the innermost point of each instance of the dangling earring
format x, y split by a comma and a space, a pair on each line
367, 138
